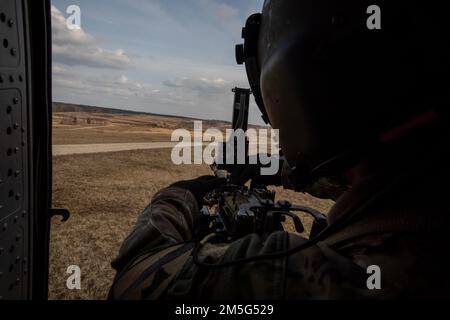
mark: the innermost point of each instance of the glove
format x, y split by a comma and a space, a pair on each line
201, 186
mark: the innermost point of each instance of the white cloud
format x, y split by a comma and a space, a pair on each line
58, 70
90, 57
77, 48
201, 86
100, 84
61, 35
123, 79
227, 15
227, 12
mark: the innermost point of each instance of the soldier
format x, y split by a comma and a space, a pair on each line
362, 103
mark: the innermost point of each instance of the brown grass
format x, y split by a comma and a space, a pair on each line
105, 193
92, 128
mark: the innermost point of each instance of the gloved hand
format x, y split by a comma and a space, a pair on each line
201, 186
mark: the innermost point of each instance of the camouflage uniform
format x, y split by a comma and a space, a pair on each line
395, 221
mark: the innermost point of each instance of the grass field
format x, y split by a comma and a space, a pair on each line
93, 128
105, 194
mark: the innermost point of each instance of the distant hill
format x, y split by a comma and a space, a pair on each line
69, 107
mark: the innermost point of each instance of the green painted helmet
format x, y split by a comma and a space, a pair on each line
341, 78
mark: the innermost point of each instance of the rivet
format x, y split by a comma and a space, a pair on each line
5, 226
17, 281
10, 23
13, 51
20, 78
11, 78
16, 173
24, 213
16, 150
18, 196
1, 250
15, 100
18, 237
17, 259
16, 126
16, 218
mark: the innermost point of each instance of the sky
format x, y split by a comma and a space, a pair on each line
162, 56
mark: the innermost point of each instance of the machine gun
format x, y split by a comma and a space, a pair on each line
236, 210
240, 211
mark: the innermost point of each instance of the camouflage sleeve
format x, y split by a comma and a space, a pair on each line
317, 272
168, 220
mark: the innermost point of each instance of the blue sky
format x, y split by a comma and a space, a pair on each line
162, 56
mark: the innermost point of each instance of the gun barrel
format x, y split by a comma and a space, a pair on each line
241, 108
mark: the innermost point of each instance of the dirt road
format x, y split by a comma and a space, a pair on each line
69, 149
61, 150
